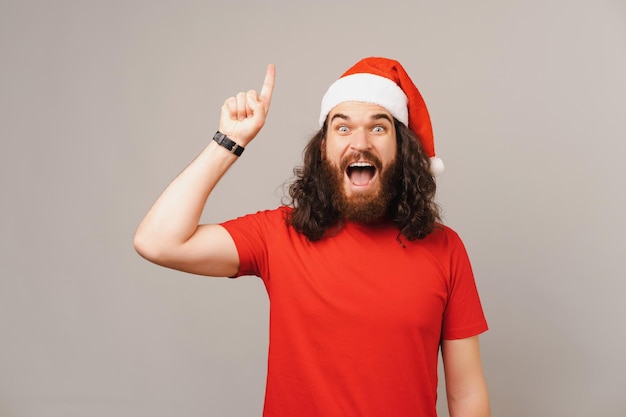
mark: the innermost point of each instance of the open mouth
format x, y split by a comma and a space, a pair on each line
361, 173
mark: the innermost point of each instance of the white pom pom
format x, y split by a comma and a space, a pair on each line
436, 166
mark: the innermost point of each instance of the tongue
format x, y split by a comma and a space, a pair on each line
360, 176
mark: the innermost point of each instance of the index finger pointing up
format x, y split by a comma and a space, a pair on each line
268, 86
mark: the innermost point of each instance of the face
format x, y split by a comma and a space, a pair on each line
360, 153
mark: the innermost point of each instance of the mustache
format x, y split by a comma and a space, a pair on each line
361, 156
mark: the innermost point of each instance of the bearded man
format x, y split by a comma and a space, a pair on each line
365, 283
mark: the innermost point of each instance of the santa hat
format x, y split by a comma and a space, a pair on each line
384, 82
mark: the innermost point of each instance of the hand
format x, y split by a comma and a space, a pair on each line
244, 115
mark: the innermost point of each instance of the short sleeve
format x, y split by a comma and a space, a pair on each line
251, 234
463, 314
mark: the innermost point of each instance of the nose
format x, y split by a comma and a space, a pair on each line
360, 140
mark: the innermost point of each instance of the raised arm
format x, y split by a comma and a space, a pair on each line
169, 235
466, 388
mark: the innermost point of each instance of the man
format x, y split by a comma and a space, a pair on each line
365, 285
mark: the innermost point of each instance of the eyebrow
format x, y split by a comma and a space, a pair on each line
377, 116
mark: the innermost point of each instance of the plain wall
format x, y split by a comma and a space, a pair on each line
103, 102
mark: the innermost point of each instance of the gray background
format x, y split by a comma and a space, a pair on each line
104, 102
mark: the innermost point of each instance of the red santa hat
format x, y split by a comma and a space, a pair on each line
384, 82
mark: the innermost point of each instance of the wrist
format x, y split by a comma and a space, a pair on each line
227, 143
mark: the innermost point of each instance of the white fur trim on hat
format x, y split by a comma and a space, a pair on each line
436, 166
367, 88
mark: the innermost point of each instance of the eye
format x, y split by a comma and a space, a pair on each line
378, 129
343, 129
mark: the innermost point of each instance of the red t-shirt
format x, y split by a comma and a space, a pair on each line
356, 319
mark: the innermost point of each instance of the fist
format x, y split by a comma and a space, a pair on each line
244, 115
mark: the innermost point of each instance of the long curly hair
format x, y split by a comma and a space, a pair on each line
413, 209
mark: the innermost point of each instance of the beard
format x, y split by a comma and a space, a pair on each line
362, 208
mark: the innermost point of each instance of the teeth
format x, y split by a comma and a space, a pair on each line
361, 165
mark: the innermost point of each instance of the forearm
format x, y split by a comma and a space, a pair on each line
466, 387
175, 215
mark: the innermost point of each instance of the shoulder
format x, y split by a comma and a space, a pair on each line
279, 214
262, 223
442, 235
443, 243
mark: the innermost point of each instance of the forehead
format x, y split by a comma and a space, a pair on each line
357, 109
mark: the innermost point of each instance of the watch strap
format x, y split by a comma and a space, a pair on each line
228, 143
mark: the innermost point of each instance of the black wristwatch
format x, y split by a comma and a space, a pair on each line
228, 143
